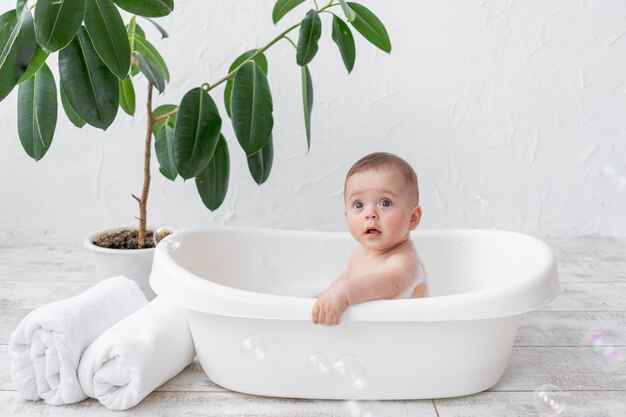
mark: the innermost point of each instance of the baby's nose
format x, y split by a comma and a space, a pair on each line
371, 214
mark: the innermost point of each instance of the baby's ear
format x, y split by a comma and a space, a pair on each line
416, 216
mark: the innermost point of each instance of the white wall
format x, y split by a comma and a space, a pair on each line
512, 112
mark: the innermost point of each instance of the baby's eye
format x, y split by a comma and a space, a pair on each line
385, 203
358, 205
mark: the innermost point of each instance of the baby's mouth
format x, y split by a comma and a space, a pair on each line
372, 231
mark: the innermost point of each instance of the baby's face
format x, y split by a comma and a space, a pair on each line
381, 210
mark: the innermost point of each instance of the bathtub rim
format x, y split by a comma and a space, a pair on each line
200, 294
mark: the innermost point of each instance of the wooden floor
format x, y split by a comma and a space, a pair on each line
552, 347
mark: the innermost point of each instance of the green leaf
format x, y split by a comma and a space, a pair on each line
56, 22
152, 73
162, 31
147, 8
370, 27
134, 70
282, 7
37, 113
38, 59
342, 35
17, 46
69, 111
307, 101
108, 35
127, 96
259, 59
91, 88
251, 107
310, 32
160, 111
163, 148
20, 7
197, 130
150, 52
212, 183
260, 163
134, 30
347, 10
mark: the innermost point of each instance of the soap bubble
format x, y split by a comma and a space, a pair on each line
253, 348
348, 373
615, 175
482, 199
165, 236
353, 408
356, 408
170, 243
162, 232
603, 345
318, 364
551, 399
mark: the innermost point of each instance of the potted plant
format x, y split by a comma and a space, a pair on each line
99, 59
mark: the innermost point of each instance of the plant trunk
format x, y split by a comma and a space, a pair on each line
143, 201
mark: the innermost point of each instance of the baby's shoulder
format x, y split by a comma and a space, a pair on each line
403, 259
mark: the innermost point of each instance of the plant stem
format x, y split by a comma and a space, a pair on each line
257, 53
266, 47
143, 202
291, 42
165, 116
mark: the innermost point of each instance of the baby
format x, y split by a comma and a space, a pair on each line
382, 207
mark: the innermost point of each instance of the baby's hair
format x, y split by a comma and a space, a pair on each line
384, 160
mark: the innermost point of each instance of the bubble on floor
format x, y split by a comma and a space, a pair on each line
551, 400
253, 348
165, 237
348, 373
603, 344
354, 409
318, 364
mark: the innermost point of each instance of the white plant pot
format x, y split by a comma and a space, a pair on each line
135, 264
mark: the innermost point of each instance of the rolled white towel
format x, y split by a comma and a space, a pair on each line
47, 344
138, 354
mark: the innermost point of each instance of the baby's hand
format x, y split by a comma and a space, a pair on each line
329, 306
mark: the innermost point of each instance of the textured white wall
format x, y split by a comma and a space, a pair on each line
512, 112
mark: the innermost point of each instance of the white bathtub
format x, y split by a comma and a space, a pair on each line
249, 294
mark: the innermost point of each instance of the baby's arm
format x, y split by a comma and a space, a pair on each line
398, 275
330, 305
